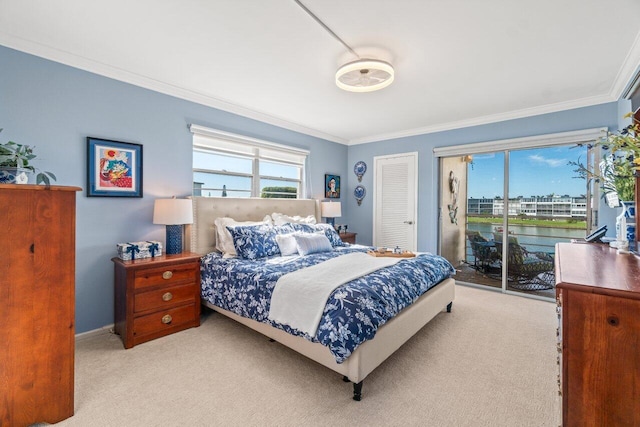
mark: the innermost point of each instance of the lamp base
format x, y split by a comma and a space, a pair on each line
174, 239
331, 221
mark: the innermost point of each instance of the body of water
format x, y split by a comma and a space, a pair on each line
531, 237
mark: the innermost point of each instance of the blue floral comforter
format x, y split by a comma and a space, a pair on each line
354, 311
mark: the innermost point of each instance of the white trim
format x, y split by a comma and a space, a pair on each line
106, 70
228, 136
495, 118
627, 78
106, 329
80, 62
535, 141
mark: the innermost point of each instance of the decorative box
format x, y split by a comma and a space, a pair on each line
137, 250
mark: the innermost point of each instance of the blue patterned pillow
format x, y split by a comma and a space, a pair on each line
328, 230
312, 243
257, 241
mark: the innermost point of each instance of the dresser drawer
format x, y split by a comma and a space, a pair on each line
166, 275
165, 297
163, 320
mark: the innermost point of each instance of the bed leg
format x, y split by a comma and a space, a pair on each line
449, 307
357, 391
345, 379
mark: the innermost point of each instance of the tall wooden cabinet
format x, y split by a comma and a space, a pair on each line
598, 293
37, 303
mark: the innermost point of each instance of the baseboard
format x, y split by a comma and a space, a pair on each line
107, 329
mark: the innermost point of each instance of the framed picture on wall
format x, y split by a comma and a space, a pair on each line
114, 169
331, 186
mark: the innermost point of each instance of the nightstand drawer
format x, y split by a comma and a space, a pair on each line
166, 275
165, 297
163, 320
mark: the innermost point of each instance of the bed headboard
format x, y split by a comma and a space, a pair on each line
200, 237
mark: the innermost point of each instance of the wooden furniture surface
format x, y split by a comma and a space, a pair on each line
349, 237
157, 296
37, 294
598, 294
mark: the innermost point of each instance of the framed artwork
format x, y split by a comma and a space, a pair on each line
114, 169
331, 186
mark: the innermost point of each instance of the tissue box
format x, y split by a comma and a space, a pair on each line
137, 250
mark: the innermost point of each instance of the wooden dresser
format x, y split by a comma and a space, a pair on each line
37, 303
157, 296
598, 294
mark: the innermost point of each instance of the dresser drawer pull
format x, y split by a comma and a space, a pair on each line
167, 296
167, 275
166, 319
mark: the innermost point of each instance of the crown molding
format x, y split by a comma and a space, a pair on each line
494, 118
629, 67
627, 78
106, 70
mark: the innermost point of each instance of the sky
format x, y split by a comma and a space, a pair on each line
533, 172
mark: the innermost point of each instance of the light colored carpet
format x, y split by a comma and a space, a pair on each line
491, 362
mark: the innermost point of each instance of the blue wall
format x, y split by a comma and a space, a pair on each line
55, 107
604, 115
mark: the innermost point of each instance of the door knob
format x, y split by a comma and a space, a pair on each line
409, 222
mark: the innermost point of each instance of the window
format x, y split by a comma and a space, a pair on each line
229, 165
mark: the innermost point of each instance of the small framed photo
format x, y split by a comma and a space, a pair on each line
332, 186
114, 169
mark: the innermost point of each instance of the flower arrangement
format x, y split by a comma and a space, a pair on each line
617, 172
14, 155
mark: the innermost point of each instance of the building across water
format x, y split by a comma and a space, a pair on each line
543, 207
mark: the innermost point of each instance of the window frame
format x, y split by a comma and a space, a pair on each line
222, 143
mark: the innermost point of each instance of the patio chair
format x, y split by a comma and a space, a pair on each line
527, 271
484, 252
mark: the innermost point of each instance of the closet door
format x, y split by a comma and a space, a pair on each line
395, 201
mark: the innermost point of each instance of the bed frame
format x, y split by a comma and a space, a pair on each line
201, 239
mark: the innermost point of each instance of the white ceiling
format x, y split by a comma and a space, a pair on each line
458, 62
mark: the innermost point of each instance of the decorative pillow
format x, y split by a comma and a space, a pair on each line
328, 230
287, 244
254, 241
224, 240
257, 241
280, 219
312, 243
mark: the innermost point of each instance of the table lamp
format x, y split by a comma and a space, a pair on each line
331, 210
173, 213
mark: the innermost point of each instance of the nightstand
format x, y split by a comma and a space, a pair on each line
349, 237
157, 296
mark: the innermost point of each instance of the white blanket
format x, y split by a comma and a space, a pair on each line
299, 297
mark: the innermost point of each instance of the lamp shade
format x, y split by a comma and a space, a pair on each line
173, 211
331, 209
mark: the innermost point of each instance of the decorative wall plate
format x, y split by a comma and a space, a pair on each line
359, 169
359, 193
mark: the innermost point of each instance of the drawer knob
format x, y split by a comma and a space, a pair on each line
166, 319
167, 296
167, 275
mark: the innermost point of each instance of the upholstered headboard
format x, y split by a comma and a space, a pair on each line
201, 237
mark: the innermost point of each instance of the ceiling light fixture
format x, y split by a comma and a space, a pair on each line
362, 75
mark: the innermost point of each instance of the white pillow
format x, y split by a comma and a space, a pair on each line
312, 243
224, 240
287, 244
280, 219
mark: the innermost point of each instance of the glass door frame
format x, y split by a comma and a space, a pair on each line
587, 136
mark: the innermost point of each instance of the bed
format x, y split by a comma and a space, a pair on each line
355, 364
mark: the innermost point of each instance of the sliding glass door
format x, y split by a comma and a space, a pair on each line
502, 213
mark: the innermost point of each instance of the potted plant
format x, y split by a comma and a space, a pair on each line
618, 170
15, 165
